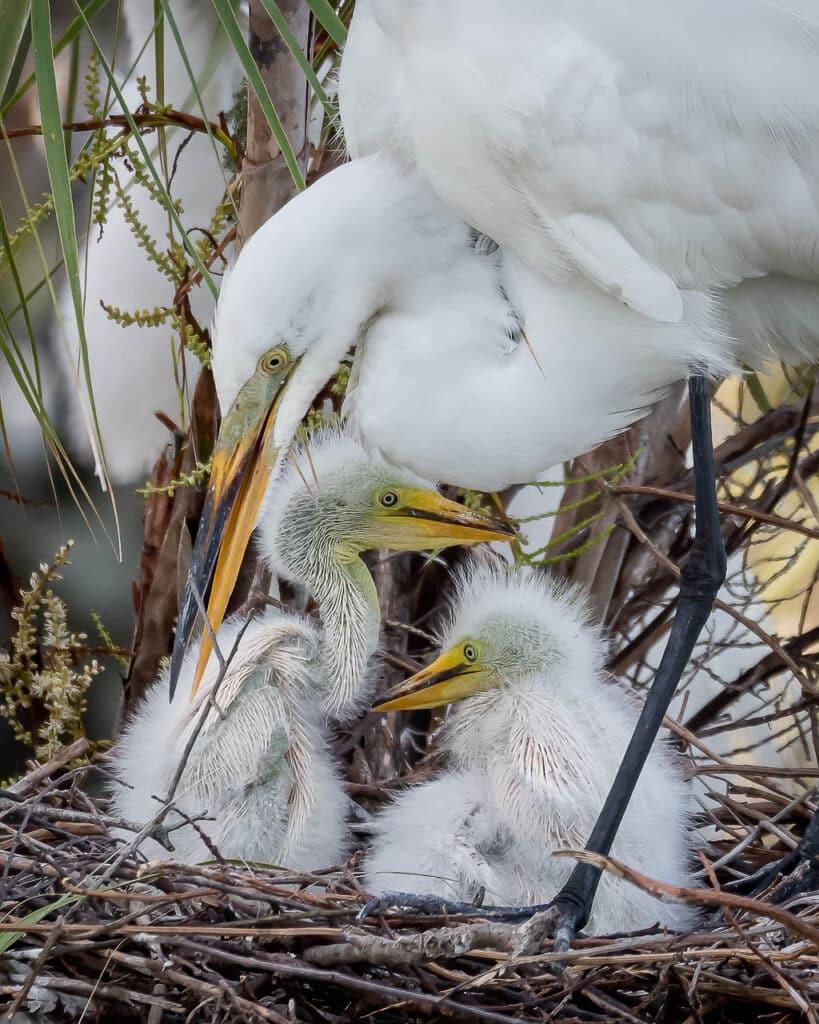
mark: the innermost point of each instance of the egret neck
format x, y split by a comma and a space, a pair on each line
357, 243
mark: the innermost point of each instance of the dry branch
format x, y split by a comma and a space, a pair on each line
239, 943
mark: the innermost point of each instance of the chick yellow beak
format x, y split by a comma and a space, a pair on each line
242, 462
448, 679
422, 520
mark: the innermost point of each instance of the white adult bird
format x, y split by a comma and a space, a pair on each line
650, 171
533, 749
139, 362
261, 768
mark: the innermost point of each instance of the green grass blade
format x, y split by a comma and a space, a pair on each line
8, 938
10, 348
70, 34
35, 384
234, 33
59, 178
15, 16
758, 392
329, 20
292, 44
12, 63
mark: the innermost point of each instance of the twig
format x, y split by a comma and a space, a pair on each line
728, 507
59, 760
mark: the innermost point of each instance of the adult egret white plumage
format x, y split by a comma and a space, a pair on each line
138, 362
664, 154
533, 748
261, 766
462, 390
655, 197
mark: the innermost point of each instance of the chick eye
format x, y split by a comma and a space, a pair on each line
470, 654
389, 499
274, 360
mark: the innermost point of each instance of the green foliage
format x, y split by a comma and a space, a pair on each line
142, 317
120, 168
15, 16
33, 217
223, 215
341, 381
606, 477
313, 421
329, 20
197, 476
106, 637
47, 663
59, 178
8, 939
93, 106
234, 33
149, 245
476, 500
194, 342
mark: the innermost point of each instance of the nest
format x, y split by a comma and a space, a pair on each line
92, 931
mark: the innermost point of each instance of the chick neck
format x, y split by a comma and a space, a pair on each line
339, 581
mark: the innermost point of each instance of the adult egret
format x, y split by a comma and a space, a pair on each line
261, 767
657, 211
662, 154
139, 361
533, 748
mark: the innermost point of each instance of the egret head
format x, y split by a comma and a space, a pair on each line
301, 292
333, 501
507, 630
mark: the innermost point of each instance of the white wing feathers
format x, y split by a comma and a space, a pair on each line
598, 249
654, 145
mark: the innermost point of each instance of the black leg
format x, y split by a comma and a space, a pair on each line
700, 581
701, 578
806, 852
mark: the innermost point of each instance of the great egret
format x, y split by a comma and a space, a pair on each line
656, 205
116, 269
663, 154
533, 749
261, 767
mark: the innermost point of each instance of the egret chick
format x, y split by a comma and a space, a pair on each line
534, 745
260, 768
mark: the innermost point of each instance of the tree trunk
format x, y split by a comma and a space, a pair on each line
266, 181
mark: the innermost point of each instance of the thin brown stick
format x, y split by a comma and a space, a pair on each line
728, 507
63, 757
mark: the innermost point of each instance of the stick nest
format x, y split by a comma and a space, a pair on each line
92, 931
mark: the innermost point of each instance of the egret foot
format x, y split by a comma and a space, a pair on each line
800, 868
558, 920
424, 903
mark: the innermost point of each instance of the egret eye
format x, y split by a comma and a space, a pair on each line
389, 499
470, 654
274, 360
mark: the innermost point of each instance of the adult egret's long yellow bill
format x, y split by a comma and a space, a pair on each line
455, 675
242, 463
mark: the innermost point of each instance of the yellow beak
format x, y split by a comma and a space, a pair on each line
242, 463
424, 519
448, 679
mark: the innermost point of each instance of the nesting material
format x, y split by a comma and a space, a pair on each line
230, 943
